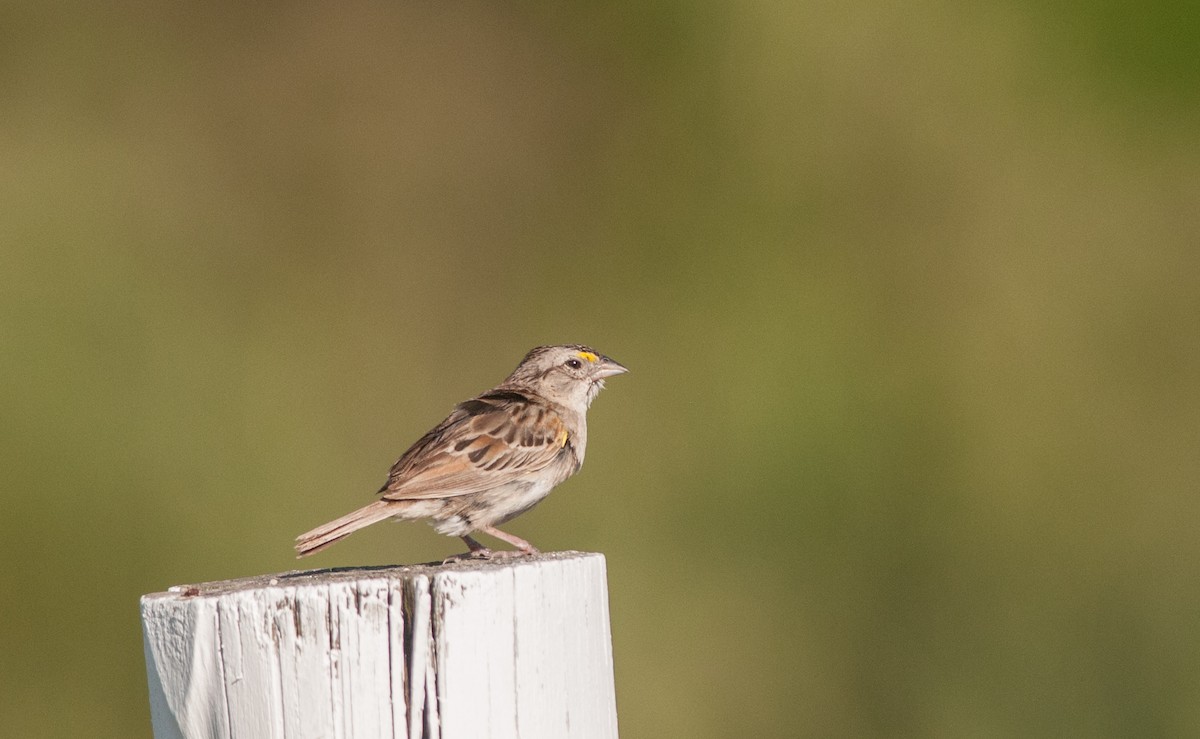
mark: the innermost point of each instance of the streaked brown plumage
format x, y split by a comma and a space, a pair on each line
494, 457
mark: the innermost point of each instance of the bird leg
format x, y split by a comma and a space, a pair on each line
475, 546
516, 541
479, 551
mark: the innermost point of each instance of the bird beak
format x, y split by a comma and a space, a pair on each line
608, 367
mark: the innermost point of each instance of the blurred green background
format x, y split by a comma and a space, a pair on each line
910, 292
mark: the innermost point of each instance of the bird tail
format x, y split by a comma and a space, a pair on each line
323, 536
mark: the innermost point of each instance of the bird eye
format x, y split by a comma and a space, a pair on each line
574, 363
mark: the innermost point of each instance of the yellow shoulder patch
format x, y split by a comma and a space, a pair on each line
562, 437
589, 356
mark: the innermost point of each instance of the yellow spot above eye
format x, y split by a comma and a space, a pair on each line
589, 356
561, 439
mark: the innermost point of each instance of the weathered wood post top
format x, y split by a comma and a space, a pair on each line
507, 648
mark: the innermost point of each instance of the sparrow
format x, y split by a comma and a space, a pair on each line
494, 457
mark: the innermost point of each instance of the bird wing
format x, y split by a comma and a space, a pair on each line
486, 442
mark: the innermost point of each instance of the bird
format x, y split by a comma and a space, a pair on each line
494, 457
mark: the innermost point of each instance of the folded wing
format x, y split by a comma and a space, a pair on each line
486, 442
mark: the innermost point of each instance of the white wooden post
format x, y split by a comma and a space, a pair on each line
506, 648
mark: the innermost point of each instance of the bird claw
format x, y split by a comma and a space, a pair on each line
512, 553
483, 553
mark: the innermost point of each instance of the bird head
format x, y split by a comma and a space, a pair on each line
570, 374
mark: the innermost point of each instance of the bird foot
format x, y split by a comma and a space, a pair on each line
483, 553
480, 553
512, 553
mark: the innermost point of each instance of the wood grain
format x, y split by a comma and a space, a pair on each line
516, 648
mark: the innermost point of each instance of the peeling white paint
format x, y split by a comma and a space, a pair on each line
518, 648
